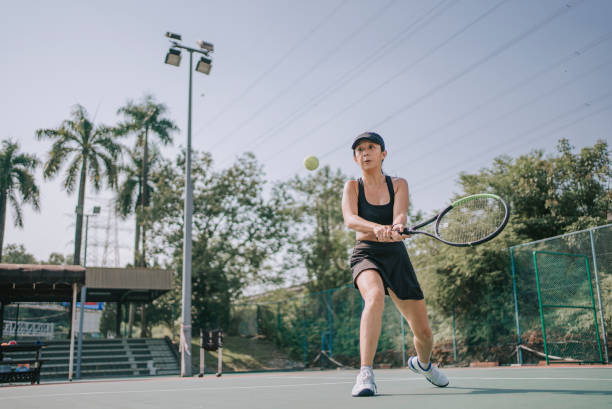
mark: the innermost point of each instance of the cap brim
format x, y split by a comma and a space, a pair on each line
365, 138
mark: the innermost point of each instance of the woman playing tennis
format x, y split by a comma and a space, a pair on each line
375, 206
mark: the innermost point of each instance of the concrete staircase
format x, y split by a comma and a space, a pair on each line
109, 358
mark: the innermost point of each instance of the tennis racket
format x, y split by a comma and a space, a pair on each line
468, 221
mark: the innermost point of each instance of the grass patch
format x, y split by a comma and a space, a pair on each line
244, 354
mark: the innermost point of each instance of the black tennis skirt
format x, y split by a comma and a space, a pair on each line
391, 261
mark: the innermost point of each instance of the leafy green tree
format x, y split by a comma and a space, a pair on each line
551, 196
140, 118
16, 181
91, 150
235, 231
548, 196
57, 259
319, 242
17, 254
166, 310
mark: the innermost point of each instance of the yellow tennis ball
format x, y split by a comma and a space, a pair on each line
311, 162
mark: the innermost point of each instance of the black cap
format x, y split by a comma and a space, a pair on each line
370, 136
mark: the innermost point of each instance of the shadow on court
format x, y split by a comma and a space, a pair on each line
461, 391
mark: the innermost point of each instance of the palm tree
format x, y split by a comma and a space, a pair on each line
132, 191
129, 200
140, 119
91, 150
16, 180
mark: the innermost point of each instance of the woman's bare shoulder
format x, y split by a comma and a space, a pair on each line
397, 182
351, 184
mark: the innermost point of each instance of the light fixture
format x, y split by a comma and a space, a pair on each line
174, 36
206, 46
173, 57
204, 65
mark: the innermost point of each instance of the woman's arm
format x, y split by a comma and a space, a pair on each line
400, 209
357, 223
349, 210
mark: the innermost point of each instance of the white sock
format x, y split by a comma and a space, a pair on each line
366, 368
423, 366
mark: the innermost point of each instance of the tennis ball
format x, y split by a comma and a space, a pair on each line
311, 162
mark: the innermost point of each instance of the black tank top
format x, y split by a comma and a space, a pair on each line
381, 214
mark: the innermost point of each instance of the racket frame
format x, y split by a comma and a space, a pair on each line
437, 218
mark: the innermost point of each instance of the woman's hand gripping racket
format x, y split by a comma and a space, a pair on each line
468, 221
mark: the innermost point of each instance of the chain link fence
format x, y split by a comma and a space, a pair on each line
563, 284
322, 329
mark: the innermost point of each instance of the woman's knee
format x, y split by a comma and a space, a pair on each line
423, 333
375, 298
371, 288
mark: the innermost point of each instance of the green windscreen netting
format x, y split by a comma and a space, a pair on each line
567, 307
321, 329
584, 263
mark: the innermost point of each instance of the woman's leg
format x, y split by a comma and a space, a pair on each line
415, 313
373, 293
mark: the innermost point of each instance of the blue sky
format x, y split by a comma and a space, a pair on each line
449, 84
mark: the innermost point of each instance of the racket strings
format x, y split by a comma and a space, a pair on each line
472, 220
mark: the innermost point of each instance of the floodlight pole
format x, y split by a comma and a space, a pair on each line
186, 294
185, 341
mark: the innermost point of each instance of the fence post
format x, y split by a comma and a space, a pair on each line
454, 337
537, 274
329, 317
278, 318
257, 318
601, 315
304, 342
519, 352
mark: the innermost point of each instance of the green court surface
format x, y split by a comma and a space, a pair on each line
517, 388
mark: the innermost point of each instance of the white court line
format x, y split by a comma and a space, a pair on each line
205, 388
417, 377
172, 390
535, 379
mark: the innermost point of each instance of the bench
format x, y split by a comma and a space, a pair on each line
20, 370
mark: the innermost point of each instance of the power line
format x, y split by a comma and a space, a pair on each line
402, 71
304, 75
408, 31
357, 70
477, 63
275, 65
514, 140
538, 26
513, 88
521, 106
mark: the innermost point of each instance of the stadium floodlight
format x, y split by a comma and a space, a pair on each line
205, 46
174, 36
173, 57
204, 65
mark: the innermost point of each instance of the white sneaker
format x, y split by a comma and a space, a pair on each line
432, 374
364, 385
